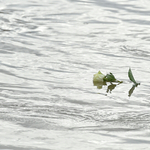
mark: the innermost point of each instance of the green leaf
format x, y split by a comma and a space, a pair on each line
109, 78
130, 75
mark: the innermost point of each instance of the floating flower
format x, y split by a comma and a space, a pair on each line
98, 77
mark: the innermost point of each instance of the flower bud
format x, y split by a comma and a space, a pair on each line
98, 77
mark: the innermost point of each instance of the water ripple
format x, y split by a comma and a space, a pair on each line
49, 52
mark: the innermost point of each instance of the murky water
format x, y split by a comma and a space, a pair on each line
49, 51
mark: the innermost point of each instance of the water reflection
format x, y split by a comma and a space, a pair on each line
109, 87
112, 86
132, 89
99, 85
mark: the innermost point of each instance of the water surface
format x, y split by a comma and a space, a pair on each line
49, 51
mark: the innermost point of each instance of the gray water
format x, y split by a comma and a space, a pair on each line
49, 52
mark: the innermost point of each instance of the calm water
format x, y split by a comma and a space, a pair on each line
49, 51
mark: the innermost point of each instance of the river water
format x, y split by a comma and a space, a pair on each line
49, 52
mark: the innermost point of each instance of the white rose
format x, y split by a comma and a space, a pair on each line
98, 77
